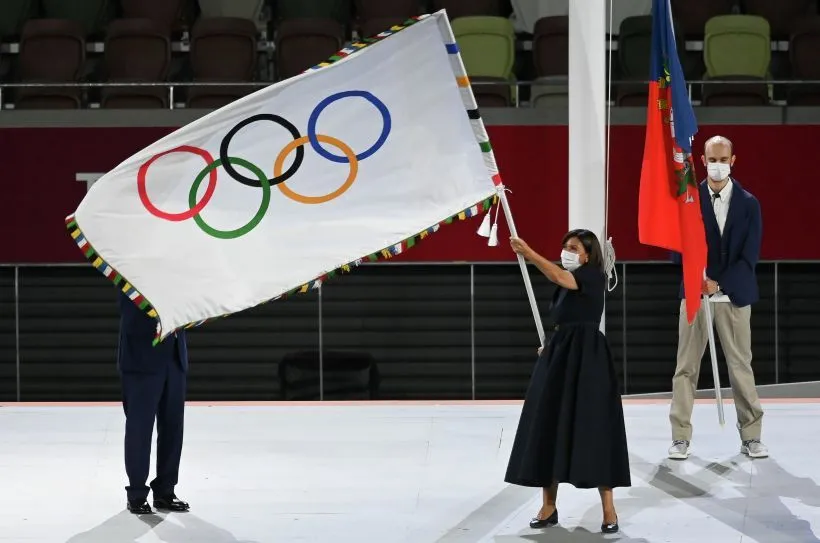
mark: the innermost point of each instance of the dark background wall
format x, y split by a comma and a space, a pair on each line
429, 338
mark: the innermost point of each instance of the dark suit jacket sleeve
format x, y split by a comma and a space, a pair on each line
136, 350
749, 254
676, 258
135, 321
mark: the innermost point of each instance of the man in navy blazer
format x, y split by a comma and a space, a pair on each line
733, 224
153, 387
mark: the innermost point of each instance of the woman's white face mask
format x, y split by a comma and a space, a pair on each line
570, 261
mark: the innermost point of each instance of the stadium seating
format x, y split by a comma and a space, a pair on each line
746, 51
781, 14
51, 51
338, 10
550, 50
92, 15
223, 49
136, 50
378, 9
469, 8
304, 43
692, 15
804, 49
487, 46
737, 48
163, 12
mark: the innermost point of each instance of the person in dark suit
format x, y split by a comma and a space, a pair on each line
153, 389
734, 228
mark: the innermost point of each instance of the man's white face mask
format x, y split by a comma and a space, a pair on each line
718, 171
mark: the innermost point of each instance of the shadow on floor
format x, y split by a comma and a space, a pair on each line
559, 534
174, 528
757, 512
480, 524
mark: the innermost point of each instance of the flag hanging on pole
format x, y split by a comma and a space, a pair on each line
669, 213
354, 160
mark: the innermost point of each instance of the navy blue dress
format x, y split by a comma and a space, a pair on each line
572, 423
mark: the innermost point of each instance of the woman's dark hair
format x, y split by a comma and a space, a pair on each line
591, 246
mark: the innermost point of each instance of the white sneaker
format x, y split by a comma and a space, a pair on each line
753, 448
679, 450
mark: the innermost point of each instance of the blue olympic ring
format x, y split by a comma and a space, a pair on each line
314, 118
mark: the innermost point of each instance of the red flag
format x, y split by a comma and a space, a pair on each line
669, 214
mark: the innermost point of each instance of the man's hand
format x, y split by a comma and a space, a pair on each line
710, 287
539, 350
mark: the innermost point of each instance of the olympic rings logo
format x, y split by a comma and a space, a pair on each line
260, 179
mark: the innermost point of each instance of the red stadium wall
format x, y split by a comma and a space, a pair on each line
41, 165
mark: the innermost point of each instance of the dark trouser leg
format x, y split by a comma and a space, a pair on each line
141, 394
170, 418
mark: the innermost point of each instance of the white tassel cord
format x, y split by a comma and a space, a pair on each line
609, 265
494, 230
491, 232
608, 248
484, 229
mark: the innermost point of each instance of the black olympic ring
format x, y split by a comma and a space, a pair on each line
249, 181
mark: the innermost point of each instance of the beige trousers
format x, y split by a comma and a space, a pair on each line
734, 330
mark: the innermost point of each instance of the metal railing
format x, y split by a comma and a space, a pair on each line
321, 345
516, 87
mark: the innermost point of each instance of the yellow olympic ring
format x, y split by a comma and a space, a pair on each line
290, 147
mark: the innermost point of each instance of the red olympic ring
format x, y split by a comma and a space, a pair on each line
176, 217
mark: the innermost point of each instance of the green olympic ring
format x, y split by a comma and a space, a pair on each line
195, 208
260, 214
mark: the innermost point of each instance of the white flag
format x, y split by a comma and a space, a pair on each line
355, 159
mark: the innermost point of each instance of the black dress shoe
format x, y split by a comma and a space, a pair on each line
139, 507
610, 528
171, 503
551, 520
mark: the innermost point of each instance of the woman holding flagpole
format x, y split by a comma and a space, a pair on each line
572, 424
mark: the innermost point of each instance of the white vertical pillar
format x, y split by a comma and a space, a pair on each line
587, 116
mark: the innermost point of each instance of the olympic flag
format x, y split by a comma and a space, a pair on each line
355, 159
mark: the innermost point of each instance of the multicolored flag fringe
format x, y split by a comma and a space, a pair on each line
354, 160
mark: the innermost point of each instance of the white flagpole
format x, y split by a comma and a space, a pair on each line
523, 265
713, 352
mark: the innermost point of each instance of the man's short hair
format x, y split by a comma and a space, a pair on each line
719, 140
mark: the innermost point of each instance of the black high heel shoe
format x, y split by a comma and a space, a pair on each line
610, 528
551, 520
